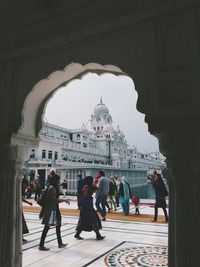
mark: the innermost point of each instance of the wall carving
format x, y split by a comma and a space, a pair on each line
174, 92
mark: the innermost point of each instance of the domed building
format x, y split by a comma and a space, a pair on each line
107, 138
89, 149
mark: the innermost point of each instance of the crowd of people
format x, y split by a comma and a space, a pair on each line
95, 197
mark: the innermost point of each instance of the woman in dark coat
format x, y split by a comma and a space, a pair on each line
88, 218
161, 193
51, 214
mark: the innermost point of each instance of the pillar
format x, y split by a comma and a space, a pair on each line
182, 149
10, 207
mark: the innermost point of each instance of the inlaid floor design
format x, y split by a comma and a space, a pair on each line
132, 254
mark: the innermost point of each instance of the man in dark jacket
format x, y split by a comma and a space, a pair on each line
161, 193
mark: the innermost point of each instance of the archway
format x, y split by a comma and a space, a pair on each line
43, 90
32, 121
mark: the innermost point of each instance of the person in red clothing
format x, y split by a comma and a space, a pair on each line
136, 202
96, 179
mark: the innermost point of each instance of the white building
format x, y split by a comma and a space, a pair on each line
88, 150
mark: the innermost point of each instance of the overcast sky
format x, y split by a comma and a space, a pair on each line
73, 105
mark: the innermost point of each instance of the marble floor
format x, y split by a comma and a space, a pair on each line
127, 243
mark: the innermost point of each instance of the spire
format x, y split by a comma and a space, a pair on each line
101, 100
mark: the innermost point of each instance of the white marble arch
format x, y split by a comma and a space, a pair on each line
38, 98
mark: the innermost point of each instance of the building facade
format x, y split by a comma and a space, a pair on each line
89, 149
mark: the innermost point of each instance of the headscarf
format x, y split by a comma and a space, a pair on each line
112, 178
125, 188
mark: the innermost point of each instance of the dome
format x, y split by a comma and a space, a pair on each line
100, 108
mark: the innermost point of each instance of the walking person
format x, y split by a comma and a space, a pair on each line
136, 202
160, 192
88, 218
95, 183
51, 214
38, 189
117, 182
64, 187
24, 186
79, 188
112, 193
102, 194
125, 195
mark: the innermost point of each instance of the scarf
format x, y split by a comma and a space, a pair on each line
125, 188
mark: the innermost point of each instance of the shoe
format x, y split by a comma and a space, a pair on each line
43, 248
100, 237
62, 245
104, 219
153, 220
24, 240
78, 237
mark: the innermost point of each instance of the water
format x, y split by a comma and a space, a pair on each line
146, 191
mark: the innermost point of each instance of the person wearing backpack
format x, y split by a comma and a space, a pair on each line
51, 212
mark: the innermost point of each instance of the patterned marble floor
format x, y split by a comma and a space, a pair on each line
126, 244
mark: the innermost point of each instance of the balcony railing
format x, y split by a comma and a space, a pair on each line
39, 160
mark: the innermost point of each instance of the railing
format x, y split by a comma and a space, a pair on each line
38, 160
71, 164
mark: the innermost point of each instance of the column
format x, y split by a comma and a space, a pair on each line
10, 208
182, 149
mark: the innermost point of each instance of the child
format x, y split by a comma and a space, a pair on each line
136, 200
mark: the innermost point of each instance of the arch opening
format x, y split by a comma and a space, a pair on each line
36, 100
45, 90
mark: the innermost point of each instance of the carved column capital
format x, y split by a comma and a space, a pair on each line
21, 145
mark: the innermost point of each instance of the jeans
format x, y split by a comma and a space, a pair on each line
102, 209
